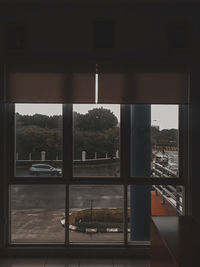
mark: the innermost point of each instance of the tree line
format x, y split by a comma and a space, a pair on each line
96, 131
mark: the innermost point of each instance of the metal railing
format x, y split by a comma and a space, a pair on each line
159, 170
173, 195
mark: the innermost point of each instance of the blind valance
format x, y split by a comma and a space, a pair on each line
42, 83
75, 83
129, 85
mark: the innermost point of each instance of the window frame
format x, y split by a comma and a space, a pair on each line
67, 179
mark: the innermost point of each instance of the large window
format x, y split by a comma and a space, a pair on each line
85, 174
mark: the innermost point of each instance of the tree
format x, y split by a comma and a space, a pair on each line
44, 121
96, 131
164, 137
98, 119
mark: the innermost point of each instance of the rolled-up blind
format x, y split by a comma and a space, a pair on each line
42, 83
125, 85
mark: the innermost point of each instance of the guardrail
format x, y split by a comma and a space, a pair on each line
159, 170
58, 163
169, 193
172, 195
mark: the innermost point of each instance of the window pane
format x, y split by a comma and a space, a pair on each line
38, 140
154, 141
145, 201
96, 140
36, 213
96, 213
165, 140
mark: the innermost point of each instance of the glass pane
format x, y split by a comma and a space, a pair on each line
154, 140
96, 213
96, 140
145, 201
165, 140
36, 213
38, 140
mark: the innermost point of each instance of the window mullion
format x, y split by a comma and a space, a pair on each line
67, 160
125, 160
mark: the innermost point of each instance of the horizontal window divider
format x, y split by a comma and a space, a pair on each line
99, 181
83, 245
137, 250
155, 181
96, 180
36, 245
22, 180
96, 244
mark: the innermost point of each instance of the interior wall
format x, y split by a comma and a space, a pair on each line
67, 31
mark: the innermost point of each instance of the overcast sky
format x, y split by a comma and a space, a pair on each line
164, 116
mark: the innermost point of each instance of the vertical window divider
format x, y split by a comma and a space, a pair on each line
10, 166
5, 180
125, 161
1, 155
4, 159
11, 142
125, 215
183, 155
67, 160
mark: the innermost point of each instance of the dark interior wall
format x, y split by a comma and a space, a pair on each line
61, 30
194, 122
64, 32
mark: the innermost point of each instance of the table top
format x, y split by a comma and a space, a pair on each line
181, 235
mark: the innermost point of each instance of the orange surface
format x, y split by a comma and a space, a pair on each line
157, 208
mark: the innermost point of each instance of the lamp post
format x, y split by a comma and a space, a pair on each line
91, 208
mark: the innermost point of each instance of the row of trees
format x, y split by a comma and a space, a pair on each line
96, 131
166, 137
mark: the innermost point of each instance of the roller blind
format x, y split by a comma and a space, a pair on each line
124, 85
75, 83
42, 83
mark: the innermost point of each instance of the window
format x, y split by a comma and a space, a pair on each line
155, 131
96, 140
166, 200
165, 140
38, 135
91, 174
96, 213
36, 214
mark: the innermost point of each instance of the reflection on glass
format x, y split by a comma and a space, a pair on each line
96, 213
38, 140
96, 140
145, 201
36, 213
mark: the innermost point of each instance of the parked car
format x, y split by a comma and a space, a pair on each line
44, 169
161, 159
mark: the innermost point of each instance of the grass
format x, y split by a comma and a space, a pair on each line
101, 219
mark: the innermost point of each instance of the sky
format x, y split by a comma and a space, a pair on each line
164, 116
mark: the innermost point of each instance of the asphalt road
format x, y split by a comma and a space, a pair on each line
53, 196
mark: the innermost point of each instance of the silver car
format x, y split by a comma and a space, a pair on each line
44, 169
